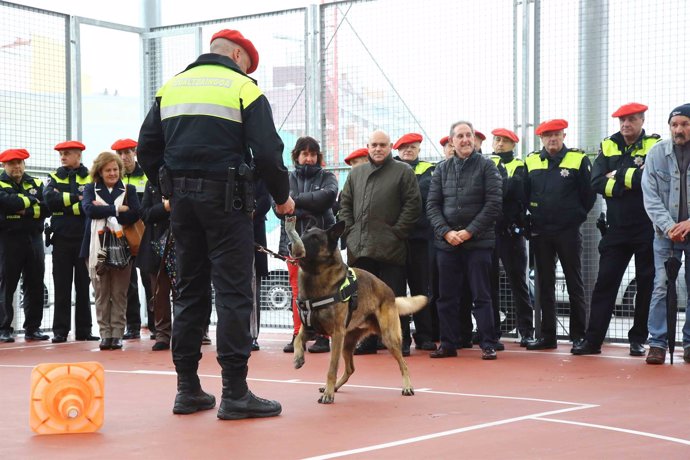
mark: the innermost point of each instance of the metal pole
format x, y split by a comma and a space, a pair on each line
313, 68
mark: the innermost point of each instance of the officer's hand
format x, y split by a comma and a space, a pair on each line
286, 208
166, 205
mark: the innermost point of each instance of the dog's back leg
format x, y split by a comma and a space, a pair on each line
391, 334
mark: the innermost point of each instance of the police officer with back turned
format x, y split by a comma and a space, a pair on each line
207, 126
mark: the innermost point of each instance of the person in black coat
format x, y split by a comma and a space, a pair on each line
105, 198
314, 191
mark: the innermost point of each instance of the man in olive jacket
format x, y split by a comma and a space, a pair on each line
463, 204
380, 204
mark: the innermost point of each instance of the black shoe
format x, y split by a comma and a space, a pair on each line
686, 355
637, 349
116, 343
35, 335
361, 349
106, 344
87, 338
132, 334
6, 337
499, 347
255, 345
321, 345
188, 403
160, 346
248, 406
525, 340
464, 344
367, 346
379, 343
578, 341
584, 347
488, 353
427, 345
443, 353
542, 344
57, 338
290, 347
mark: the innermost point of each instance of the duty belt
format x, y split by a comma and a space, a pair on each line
346, 293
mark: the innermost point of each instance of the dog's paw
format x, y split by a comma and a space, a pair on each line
326, 399
299, 362
323, 389
408, 391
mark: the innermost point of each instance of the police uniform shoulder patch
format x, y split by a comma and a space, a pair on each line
653, 136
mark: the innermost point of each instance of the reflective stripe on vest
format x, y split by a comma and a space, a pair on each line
27, 204
422, 167
210, 90
571, 160
138, 181
510, 166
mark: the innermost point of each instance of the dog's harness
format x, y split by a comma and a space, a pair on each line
346, 293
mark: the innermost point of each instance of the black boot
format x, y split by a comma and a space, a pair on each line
190, 397
238, 402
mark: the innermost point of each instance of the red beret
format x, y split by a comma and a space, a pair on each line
629, 109
70, 145
122, 144
13, 154
237, 37
444, 141
480, 135
408, 139
363, 152
506, 133
551, 125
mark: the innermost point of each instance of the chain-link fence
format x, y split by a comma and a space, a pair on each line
340, 70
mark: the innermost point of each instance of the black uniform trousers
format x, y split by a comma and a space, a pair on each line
417, 270
464, 326
456, 269
567, 246
68, 267
616, 249
512, 251
394, 277
22, 254
134, 305
211, 244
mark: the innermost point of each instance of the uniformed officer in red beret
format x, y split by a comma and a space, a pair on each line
126, 149
211, 131
63, 196
22, 214
418, 261
511, 246
617, 176
560, 195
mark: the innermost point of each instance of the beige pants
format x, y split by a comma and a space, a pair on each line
111, 301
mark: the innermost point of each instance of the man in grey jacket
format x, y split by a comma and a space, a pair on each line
380, 203
463, 204
665, 187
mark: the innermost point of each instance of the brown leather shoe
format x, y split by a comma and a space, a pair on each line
656, 355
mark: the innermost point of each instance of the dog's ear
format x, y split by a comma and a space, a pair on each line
336, 230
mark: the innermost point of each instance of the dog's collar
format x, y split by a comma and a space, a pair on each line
347, 292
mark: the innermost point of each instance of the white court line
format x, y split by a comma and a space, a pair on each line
440, 434
613, 428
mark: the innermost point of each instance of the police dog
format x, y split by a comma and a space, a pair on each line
321, 273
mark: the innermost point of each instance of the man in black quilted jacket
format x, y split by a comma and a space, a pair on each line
463, 204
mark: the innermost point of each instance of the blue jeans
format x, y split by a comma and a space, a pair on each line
658, 332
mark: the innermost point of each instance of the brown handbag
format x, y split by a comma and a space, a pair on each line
133, 232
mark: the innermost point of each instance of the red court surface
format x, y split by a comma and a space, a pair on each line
525, 405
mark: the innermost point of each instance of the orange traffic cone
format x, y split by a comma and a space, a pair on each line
67, 398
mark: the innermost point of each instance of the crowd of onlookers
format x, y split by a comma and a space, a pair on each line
439, 230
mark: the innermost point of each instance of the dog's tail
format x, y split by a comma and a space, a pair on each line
409, 305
